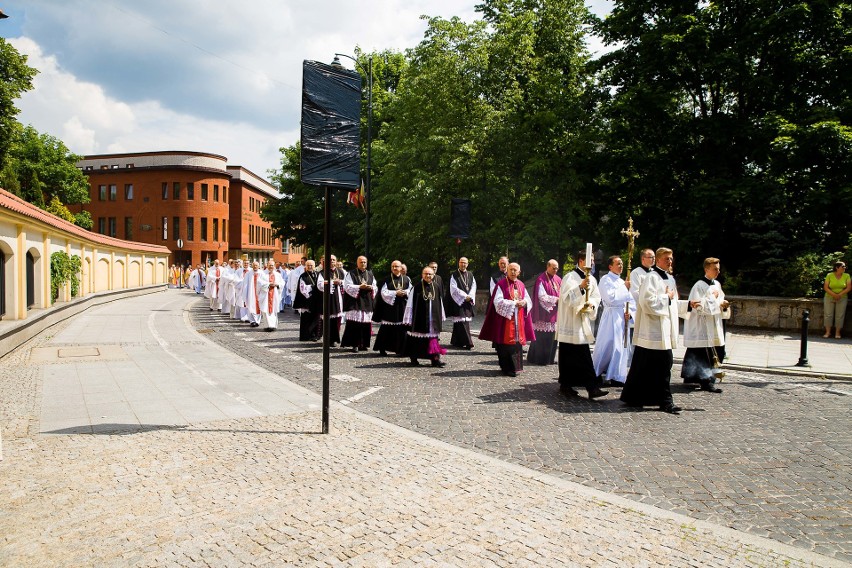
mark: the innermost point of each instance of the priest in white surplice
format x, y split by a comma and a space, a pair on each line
293, 279
251, 284
576, 312
211, 291
611, 355
655, 336
703, 333
269, 296
460, 305
226, 286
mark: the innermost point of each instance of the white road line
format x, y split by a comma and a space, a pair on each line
346, 378
194, 370
360, 395
314, 366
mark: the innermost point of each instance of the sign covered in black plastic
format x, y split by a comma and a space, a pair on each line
331, 122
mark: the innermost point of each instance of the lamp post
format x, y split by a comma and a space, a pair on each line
336, 62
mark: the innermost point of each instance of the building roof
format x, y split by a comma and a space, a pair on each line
18, 205
253, 180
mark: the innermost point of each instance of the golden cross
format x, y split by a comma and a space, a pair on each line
630, 234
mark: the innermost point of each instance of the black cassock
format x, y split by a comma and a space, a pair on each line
309, 322
392, 332
461, 329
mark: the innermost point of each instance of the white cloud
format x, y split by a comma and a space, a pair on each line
125, 76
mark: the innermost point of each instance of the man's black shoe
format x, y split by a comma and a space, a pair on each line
597, 393
415, 363
438, 364
569, 392
671, 409
708, 387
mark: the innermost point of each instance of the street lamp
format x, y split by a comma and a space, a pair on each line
336, 63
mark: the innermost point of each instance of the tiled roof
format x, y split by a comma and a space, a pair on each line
18, 205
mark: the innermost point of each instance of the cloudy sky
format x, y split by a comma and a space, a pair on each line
202, 75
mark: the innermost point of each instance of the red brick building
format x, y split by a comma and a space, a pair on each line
176, 198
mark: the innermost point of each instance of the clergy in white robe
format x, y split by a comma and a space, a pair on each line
226, 287
611, 355
576, 312
240, 311
269, 296
212, 288
655, 336
251, 284
703, 332
293, 280
196, 279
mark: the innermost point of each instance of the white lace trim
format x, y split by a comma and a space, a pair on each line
423, 335
457, 320
544, 326
392, 323
358, 316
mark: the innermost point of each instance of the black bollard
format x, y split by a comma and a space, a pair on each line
803, 354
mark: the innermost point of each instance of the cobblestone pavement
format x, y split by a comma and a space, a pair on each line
269, 491
770, 456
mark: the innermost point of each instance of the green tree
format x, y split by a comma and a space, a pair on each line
727, 129
299, 214
492, 111
16, 78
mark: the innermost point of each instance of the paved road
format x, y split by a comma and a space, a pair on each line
771, 456
132, 440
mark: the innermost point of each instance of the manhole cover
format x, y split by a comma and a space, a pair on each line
78, 352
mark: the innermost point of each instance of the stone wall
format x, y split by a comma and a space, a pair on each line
765, 312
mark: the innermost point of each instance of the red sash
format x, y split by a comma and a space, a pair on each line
271, 290
254, 295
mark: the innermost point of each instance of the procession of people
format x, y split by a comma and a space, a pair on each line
614, 333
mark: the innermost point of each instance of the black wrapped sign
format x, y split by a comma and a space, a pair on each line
331, 123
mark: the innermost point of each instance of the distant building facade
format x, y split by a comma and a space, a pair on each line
192, 199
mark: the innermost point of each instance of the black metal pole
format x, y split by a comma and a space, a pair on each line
369, 160
326, 310
803, 354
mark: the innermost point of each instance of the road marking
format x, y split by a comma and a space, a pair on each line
346, 378
314, 366
194, 370
360, 395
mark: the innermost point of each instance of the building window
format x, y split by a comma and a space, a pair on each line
128, 192
215, 193
203, 228
190, 228
215, 230
285, 246
102, 225
90, 167
176, 190
112, 227
165, 190
224, 194
165, 228
224, 230
114, 167
102, 193
175, 228
128, 228
190, 191
113, 192
203, 192
129, 166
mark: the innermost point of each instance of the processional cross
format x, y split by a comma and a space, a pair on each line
631, 235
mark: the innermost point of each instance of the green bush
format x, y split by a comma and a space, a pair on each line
64, 268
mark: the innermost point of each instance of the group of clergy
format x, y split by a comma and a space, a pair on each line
557, 317
560, 316
245, 291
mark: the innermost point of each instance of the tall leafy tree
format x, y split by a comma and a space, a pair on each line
729, 120
16, 78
